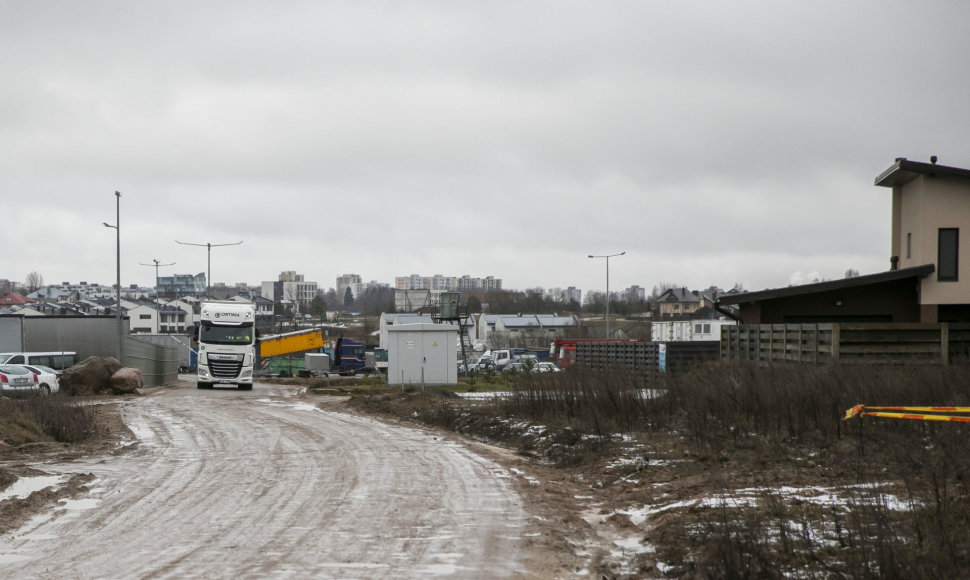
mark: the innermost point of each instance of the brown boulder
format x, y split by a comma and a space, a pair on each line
126, 381
90, 376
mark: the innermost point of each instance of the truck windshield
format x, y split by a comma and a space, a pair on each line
213, 334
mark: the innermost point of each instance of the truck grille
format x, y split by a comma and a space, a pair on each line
224, 366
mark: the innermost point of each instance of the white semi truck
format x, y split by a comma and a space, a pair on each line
226, 344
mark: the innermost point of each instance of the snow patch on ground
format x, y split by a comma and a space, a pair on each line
749, 497
485, 396
532, 481
625, 548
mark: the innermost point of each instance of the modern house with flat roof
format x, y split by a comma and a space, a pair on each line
927, 281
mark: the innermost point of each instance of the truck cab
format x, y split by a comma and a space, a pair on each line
227, 344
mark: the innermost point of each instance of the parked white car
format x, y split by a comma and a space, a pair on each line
48, 380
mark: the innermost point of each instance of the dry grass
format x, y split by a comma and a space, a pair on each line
36, 419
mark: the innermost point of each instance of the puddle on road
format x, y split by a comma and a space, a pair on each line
78, 504
298, 406
23, 487
11, 558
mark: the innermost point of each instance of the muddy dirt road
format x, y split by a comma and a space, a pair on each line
226, 484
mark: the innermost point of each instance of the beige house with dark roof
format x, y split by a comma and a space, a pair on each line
929, 278
930, 207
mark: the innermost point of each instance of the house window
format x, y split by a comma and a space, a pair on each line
144, 316
946, 262
909, 245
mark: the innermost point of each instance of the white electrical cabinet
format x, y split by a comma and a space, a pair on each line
422, 354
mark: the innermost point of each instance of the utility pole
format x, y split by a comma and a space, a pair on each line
209, 246
607, 286
158, 308
117, 229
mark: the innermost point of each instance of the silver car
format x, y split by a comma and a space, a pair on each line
545, 367
17, 379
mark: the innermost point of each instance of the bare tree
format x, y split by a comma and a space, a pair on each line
661, 288
34, 282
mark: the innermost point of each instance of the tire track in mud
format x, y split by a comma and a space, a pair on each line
226, 484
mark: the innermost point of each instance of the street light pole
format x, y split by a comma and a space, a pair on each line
607, 256
208, 281
117, 229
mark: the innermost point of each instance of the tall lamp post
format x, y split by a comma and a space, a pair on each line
117, 229
607, 256
208, 281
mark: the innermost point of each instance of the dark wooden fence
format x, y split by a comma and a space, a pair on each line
848, 343
641, 359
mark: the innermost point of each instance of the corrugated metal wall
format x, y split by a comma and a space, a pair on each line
88, 336
85, 335
11, 338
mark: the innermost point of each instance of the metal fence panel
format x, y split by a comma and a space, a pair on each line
158, 364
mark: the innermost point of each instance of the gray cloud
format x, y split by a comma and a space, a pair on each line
714, 143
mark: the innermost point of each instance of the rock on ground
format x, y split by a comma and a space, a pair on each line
126, 381
92, 375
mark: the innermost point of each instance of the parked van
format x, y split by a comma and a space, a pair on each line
55, 360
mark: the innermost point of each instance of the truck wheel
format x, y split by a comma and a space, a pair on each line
245, 387
201, 385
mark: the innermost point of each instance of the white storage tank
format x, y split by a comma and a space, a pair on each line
422, 354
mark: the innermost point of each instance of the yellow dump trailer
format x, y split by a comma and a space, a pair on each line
291, 343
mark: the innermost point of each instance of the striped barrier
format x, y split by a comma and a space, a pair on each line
916, 413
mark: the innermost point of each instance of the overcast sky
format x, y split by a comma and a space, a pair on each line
714, 142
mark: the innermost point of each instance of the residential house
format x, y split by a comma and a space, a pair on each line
143, 319
14, 299
927, 281
264, 307
930, 207
678, 302
173, 319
